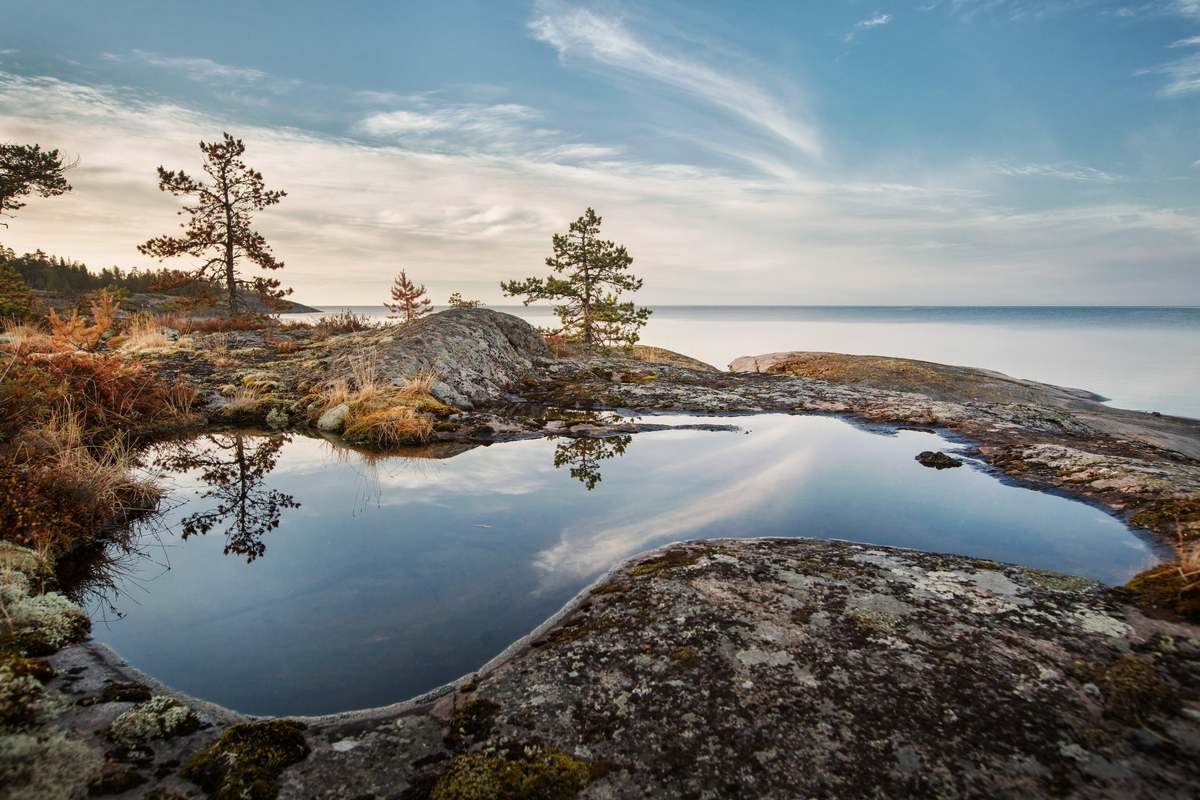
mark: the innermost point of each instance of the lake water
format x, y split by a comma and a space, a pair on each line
305, 578
1140, 358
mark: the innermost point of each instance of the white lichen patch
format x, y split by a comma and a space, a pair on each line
1097, 622
56, 619
157, 718
48, 767
24, 700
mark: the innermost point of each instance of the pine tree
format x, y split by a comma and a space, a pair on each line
456, 301
596, 275
25, 169
410, 302
218, 226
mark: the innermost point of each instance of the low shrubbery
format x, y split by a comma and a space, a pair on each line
66, 475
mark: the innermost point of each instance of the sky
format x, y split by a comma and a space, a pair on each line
974, 152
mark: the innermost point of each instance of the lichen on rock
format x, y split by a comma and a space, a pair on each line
157, 718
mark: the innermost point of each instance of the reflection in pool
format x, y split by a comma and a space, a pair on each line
306, 578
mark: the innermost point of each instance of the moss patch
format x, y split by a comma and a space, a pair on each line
1057, 581
1133, 689
476, 719
248, 760
673, 559
547, 774
1164, 589
118, 693
611, 588
1180, 515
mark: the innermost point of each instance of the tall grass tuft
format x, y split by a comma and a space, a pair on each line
395, 425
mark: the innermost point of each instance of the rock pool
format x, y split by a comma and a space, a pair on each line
291, 576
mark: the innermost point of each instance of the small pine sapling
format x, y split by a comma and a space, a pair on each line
410, 302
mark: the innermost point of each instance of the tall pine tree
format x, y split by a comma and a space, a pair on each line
218, 226
594, 271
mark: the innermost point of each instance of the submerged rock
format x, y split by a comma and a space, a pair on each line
938, 460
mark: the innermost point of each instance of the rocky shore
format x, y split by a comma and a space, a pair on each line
762, 668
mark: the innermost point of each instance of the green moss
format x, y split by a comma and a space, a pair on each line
118, 693
577, 628
1057, 581
248, 760
475, 719
1178, 514
684, 655
1163, 588
24, 702
611, 588
1133, 689
548, 775
37, 668
672, 559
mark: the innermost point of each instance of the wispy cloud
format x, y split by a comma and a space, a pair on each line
198, 69
506, 129
597, 39
1193, 41
1067, 171
873, 22
464, 218
1183, 75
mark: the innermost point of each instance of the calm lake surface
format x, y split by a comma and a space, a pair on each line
305, 578
1139, 358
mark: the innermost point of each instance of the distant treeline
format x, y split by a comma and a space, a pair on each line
56, 274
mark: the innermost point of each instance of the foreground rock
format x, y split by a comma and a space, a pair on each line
789, 668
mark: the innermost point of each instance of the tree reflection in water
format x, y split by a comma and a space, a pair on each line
235, 466
584, 455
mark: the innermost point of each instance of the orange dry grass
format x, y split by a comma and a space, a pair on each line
22, 339
362, 369
245, 400
56, 491
144, 334
389, 426
420, 383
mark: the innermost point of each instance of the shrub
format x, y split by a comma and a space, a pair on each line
56, 491
105, 390
75, 334
344, 322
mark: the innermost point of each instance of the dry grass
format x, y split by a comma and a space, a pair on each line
57, 490
1174, 586
144, 334
363, 372
245, 400
419, 384
22, 339
389, 426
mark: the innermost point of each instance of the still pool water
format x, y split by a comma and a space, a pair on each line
293, 576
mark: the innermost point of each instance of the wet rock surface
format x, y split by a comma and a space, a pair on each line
770, 668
